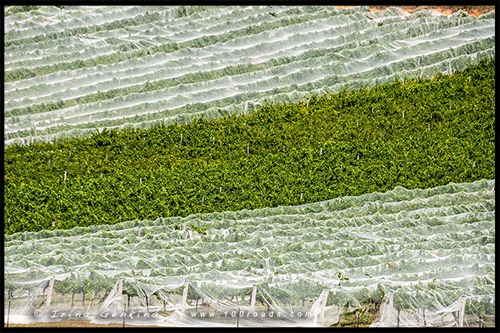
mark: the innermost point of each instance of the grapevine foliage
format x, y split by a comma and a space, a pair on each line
418, 134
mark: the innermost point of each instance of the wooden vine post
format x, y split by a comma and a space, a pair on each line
8, 314
461, 312
120, 286
49, 295
391, 308
324, 298
184, 297
252, 300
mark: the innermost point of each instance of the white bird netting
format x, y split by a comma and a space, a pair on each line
423, 257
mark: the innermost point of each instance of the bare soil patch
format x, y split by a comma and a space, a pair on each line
448, 10
74, 323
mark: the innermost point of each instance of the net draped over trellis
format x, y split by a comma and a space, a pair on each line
422, 257
72, 70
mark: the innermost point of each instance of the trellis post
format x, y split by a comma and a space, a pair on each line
391, 308
254, 296
8, 314
120, 286
184, 296
324, 294
49, 295
461, 312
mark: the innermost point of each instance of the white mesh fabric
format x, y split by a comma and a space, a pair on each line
430, 246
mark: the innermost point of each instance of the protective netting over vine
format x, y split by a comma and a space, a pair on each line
71, 70
423, 257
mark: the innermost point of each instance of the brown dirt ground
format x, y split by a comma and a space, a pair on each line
448, 10
74, 323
